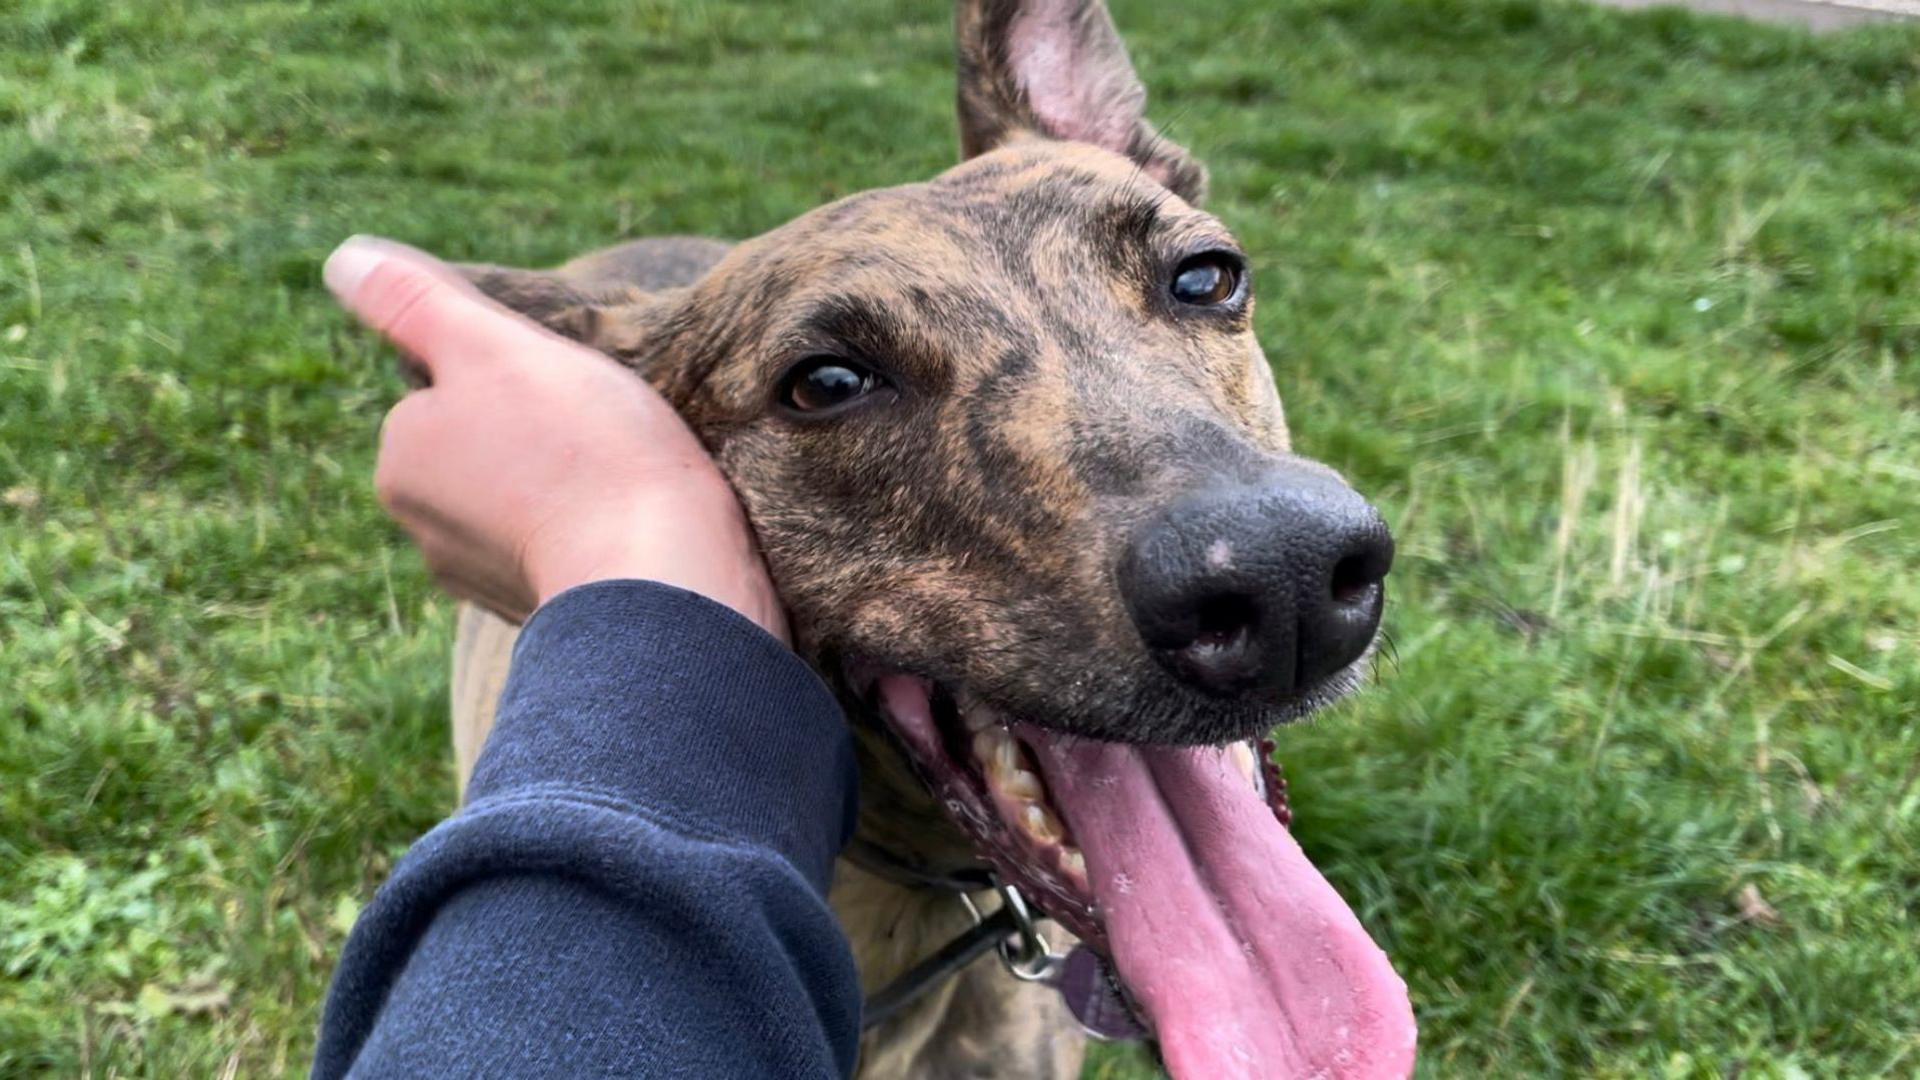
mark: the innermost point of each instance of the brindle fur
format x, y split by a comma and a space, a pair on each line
1050, 395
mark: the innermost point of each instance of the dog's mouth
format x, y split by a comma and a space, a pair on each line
1170, 862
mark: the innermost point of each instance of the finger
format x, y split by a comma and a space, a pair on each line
405, 450
423, 306
342, 278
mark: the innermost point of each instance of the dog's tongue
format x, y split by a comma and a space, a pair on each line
1244, 958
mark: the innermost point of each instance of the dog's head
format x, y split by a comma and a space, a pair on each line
1020, 471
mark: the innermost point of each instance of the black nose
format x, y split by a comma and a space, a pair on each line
1259, 591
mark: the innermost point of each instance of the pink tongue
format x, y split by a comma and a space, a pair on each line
1245, 959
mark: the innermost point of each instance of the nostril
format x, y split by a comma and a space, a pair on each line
1353, 578
1223, 621
1218, 649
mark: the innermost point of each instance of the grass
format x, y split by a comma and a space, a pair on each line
1618, 316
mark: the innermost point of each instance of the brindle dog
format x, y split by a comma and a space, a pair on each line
981, 426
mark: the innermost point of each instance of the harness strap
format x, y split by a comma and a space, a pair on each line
995, 930
952, 958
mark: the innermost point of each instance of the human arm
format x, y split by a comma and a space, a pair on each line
637, 883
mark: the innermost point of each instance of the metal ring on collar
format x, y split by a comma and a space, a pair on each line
1032, 959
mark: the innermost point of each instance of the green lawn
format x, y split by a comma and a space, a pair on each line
1618, 316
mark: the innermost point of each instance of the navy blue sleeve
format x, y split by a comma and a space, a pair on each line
637, 884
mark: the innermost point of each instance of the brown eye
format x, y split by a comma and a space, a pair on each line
1207, 280
826, 382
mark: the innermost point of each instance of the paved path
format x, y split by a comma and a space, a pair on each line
1816, 15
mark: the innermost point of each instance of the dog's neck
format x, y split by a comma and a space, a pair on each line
899, 819
973, 1024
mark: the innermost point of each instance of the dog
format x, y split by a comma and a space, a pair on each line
1020, 472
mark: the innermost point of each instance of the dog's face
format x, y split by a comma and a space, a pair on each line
952, 407
1009, 432
1015, 459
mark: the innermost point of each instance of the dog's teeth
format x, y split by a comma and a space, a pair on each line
980, 718
1075, 863
1245, 761
998, 754
1019, 783
1042, 825
986, 746
1006, 757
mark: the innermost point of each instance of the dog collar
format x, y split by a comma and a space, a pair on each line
882, 863
1081, 976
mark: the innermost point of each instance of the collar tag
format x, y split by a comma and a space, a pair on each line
1095, 999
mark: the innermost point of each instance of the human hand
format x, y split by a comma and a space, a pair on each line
530, 464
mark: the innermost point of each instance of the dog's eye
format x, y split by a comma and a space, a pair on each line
826, 382
1207, 280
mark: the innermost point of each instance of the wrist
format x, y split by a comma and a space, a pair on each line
719, 563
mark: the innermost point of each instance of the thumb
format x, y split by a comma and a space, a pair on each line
424, 306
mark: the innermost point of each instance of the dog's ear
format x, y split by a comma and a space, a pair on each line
619, 320
1057, 68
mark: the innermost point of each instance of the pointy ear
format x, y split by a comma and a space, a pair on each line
620, 320
1057, 68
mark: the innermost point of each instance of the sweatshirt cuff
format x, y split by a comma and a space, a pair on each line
682, 708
